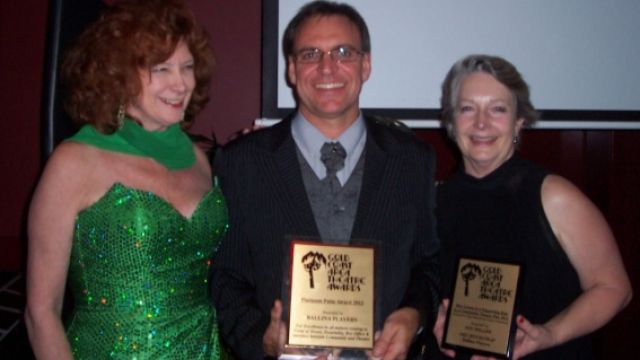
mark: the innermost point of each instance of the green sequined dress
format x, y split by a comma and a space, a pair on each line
139, 273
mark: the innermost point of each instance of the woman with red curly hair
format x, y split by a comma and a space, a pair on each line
125, 212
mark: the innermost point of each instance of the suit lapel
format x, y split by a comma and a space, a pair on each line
288, 186
377, 183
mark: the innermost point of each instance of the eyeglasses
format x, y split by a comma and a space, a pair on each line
339, 54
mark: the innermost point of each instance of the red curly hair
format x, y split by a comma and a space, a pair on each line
101, 70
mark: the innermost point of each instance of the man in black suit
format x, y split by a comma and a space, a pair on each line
283, 181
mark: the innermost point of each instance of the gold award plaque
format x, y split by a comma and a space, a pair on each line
332, 295
480, 318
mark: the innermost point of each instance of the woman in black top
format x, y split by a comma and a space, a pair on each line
502, 207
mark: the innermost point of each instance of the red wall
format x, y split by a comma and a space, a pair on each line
22, 32
235, 28
603, 163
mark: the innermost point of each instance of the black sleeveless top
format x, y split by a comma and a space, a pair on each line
501, 217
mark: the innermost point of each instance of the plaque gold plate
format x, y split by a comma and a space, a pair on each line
332, 296
481, 314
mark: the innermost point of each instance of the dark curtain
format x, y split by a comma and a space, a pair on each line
67, 19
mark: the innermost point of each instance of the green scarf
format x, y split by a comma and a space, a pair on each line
171, 147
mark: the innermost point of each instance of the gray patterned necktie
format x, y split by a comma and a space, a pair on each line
333, 155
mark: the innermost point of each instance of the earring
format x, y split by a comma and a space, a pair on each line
120, 116
516, 139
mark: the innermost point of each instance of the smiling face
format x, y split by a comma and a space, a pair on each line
166, 90
328, 91
485, 124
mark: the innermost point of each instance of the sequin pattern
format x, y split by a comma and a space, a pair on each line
139, 273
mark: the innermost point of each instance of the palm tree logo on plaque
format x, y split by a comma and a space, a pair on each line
312, 261
469, 272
